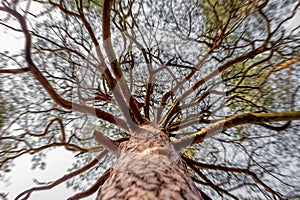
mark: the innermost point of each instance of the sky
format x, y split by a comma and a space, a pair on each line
21, 177
58, 161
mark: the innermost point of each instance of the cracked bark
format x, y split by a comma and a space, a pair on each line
149, 167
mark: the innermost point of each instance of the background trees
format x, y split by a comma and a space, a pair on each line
196, 68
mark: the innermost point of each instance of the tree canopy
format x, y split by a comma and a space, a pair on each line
221, 77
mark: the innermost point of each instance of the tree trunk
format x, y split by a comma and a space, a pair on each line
149, 167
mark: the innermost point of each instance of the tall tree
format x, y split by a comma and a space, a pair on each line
196, 99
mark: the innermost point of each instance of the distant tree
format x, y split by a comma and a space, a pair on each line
196, 99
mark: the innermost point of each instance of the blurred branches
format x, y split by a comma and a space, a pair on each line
206, 71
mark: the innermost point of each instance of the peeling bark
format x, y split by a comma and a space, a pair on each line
149, 168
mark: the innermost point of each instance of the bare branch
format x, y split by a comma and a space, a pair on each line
93, 188
14, 71
122, 86
231, 169
221, 125
26, 194
106, 142
44, 82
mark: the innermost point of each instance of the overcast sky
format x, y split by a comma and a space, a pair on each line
21, 177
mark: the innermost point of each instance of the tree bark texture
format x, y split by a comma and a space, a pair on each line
149, 167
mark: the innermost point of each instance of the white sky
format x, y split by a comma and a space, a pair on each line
21, 177
58, 161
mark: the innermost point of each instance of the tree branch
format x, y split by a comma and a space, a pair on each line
230, 169
14, 71
28, 192
106, 142
221, 125
122, 86
44, 82
93, 188
208, 181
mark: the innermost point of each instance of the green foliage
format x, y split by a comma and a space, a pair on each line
87, 4
189, 152
249, 83
218, 14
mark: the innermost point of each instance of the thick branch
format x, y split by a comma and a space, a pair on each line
122, 86
106, 36
44, 82
106, 142
221, 125
286, 63
14, 71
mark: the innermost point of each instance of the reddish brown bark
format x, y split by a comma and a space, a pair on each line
149, 168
